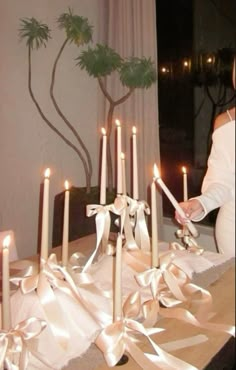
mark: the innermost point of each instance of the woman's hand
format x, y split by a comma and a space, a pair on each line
192, 209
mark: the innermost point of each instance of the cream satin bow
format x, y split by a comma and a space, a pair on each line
118, 337
164, 282
17, 344
170, 286
138, 210
103, 222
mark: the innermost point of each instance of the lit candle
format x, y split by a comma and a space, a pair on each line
65, 237
155, 251
174, 202
45, 218
6, 315
135, 165
117, 303
185, 184
103, 168
119, 169
123, 173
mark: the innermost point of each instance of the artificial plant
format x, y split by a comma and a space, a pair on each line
78, 31
100, 62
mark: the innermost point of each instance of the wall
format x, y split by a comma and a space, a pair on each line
27, 145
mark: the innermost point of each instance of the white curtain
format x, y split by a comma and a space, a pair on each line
129, 27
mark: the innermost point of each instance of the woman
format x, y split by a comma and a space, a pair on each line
218, 187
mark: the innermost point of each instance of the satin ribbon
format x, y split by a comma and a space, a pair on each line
139, 260
117, 338
163, 282
189, 242
17, 343
61, 279
76, 262
103, 222
138, 210
177, 289
50, 277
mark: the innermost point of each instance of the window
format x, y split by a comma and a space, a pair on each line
190, 96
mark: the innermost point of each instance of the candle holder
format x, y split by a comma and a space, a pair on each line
124, 359
188, 241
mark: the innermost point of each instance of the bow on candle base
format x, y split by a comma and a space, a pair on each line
17, 344
118, 338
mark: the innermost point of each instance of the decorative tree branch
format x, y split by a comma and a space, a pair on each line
133, 73
68, 142
37, 34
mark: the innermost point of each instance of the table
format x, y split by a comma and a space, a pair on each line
201, 355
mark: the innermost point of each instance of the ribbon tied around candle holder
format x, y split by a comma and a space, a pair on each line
118, 337
17, 344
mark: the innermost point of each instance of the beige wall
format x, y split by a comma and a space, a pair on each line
27, 145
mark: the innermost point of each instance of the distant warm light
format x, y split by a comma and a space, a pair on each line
186, 64
164, 70
117, 122
156, 172
134, 130
103, 131
184, 170
6, 241
47, 173
209, 60
66, 185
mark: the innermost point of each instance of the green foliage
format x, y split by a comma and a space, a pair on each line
77, 28
102, 61
99, 61
35, 33
138, 73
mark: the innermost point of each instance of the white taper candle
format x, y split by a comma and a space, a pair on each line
118, 158
155, 251
6, 313
123, 174
185, 184
117, 305
103, 168
45, 218
135, 164
174, 202
65, 237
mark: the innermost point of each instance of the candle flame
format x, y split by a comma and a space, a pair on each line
117, 122
6, 241
47, 173
184, 170
103, 131
156, 172
66, 185
134, 130
122, 155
